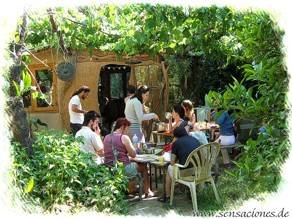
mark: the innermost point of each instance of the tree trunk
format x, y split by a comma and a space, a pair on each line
18, 124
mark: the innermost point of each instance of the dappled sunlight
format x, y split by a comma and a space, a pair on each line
221, 58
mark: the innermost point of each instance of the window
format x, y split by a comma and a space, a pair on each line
45, 82
116, 85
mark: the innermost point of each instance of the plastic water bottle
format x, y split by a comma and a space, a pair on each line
135, 142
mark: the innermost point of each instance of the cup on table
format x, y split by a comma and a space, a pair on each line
168, 115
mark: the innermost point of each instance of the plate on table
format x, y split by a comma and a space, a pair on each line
145, 157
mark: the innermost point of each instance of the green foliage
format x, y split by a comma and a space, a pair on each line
60, 174
180, 68
263, 103
221, 38
25, 83
242, 49
260, 163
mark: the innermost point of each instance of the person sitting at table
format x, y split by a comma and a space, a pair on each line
178, 114
226, 137
189, 111
181, 149
90, 136
120, 140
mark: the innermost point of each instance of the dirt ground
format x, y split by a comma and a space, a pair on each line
182, 204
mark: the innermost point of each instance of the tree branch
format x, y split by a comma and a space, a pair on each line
59, 33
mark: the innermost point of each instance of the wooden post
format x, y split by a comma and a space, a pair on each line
133, 78
166, 85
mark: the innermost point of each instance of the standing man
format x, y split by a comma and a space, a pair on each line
75, 109
90, 134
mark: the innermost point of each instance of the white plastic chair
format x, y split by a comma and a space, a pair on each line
202, 159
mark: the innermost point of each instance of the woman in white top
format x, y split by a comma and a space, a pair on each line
131, 90
134, 113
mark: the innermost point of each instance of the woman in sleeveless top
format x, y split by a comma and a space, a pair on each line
178, 113
122, 143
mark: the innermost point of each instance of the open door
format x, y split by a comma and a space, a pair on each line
112, 89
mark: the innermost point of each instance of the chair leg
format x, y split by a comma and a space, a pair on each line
216, 169
225, 156
155, 175
172, 191
215, 190
194, 196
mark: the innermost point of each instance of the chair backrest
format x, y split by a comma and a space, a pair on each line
202, 159
202, 113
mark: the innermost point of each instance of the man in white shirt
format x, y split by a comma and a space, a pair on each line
75, 108
90, 134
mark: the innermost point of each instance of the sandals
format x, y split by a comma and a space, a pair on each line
149, 195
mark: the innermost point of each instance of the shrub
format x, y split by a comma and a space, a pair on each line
59, 174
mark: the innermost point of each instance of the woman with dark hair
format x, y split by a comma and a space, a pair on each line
131, 90
178, 114
75, 108
226, 137
134, 113
120, 142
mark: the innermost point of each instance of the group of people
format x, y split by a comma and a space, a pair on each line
118, 145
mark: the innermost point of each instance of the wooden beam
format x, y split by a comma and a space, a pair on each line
166, 85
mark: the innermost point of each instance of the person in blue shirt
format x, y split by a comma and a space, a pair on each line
226, 137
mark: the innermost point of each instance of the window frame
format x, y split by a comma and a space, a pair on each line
50, 109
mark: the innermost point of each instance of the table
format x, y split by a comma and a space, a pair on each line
201, 126
163, 166
152, 160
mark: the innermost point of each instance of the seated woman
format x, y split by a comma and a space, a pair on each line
226, 137
178, 114
189, 111
123, 145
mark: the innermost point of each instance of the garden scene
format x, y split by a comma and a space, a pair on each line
144, 109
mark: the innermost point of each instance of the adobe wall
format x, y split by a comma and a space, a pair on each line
87, 73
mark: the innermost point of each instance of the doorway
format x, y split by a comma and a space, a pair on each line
112, 89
